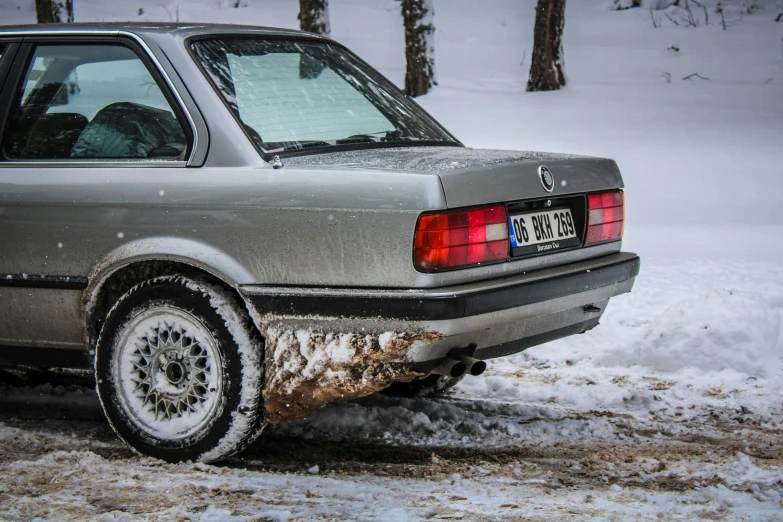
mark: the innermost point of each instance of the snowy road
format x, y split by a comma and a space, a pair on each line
592, 463
671, 407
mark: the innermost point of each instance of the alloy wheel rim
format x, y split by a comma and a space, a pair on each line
169, 373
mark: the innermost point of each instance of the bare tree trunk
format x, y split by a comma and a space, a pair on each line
417, 16
47, 11
546, 69
314, 16
69, 11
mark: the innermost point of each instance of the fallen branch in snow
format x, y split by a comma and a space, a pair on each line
172, 18
691, 20
667, 76
655, 22
672, 20
697, 75
779, 17
719, 10
706, 14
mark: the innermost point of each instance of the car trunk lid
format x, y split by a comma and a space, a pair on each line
481, 176
506, 176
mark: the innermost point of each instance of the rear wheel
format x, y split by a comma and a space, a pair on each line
179, 371
429, 386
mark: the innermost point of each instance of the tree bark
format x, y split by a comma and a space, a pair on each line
69, 11
547, 68
47, 11
417, 17
314, 16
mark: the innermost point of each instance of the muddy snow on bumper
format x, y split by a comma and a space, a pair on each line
308, 369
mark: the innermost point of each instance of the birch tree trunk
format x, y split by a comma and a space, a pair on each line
52, 11
47, 12
314, 16
547, 68
69, 11
417, 16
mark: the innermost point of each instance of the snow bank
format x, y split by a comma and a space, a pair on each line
713, 332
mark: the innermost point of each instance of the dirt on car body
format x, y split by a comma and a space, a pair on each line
305, 369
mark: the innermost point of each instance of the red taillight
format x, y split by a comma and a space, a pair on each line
605, 217
461, 237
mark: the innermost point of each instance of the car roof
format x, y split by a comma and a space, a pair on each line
180, 30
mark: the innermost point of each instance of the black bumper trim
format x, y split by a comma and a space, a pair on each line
512, 347
45, 282
445, 307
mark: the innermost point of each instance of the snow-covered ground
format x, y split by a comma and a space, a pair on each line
672, 408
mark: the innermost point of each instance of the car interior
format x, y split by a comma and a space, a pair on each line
42, 126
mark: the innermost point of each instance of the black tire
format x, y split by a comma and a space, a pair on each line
202, 373
430, 386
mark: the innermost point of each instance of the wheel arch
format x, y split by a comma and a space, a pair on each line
141, 260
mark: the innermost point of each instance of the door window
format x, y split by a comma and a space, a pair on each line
92, 102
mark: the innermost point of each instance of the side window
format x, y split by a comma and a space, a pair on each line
37, 68
91, 102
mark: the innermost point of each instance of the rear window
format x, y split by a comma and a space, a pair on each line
293, 95
274, 97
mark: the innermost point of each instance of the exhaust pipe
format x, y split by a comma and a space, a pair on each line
473, 366
450, 368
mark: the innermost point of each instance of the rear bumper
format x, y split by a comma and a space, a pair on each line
499, 316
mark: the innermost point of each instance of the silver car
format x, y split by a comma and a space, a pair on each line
234, 226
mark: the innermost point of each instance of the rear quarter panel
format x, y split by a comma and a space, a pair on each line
287, 226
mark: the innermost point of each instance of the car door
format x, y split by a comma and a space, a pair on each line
82, 118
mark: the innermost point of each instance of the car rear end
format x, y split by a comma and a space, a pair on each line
561, 218
526, 249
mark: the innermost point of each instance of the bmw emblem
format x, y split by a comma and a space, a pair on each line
547, 179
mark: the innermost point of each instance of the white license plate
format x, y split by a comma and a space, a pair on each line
546, 230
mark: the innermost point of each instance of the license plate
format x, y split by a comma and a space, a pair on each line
544, 231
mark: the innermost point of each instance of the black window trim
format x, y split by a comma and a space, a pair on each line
8, 50
9, 66
134, 42
377, 76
